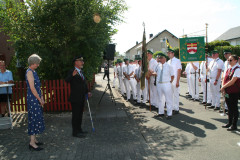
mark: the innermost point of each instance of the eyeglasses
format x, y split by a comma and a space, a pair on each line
230, 60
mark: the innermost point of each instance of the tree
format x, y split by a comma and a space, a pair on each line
59, 30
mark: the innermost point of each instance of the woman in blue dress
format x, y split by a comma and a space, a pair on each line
35, 103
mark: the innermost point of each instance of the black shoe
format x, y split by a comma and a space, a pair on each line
226, 126
187, 92
232, 128
83, 132
203, 103
196, 100
127, 100
168, 117
175, 112
35, 149
159, 115
208, 104
135, 100
201, 93
226, 110
113, 87
39, 143
191, 99
211, 107
189, 96
79, 135
137, 103
216, 108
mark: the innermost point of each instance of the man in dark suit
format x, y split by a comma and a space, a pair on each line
79, 90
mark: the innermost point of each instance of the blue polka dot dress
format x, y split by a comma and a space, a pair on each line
35, 110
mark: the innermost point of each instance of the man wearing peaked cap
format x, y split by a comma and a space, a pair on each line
165, 76
120, 76
129, 81
151, 79
79, 89
115, 74
215, 68
177, 68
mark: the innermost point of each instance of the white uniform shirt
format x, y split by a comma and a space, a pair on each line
128, 69
214, 66
115, 69
167, 72
176, 65
138, 71
152, 66
120, 71
191, 69
225, 67
187, 69
237, 71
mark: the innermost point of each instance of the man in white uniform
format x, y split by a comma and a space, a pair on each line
151, 78
203, 81
128, 72
215, 69
120, 77
165, 76
177, 68
194, 89
187, 73
115, 74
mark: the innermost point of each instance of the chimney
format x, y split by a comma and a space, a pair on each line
136, 42
150, 36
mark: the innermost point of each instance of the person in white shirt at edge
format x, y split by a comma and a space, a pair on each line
128, 72
203, 81
133, 65
138, 72
165, 76
215, 68
177, 68
152, 64
194, 75
120, 77
115, 74
227, 54
187, 73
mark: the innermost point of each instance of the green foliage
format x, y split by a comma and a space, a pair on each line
213, 44
59, 30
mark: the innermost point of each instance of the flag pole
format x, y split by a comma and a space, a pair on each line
206, 49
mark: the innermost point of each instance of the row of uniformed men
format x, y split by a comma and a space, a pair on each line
215, 68
162, 80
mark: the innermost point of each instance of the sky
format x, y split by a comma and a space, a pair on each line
178, 17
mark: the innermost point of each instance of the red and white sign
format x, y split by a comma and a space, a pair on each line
192, 48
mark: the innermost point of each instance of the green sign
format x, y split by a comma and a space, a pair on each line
192, 49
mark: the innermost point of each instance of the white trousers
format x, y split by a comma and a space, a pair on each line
175, 92
215, 93
188, 82
129, 84
194, 82
121, 85
165, 92
203, 86
114, 81
153, 93
141, 92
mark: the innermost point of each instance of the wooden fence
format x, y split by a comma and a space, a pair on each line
55, 93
